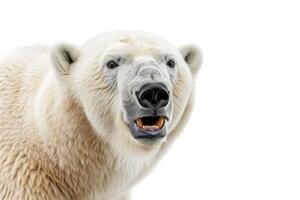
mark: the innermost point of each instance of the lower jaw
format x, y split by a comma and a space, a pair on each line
145, 136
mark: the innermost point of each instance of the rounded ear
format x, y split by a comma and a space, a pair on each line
63, 56
192, 55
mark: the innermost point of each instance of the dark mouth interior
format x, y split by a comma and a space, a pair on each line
150, 121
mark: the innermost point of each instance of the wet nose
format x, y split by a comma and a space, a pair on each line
153, 95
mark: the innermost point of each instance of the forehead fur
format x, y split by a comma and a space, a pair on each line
139, 42
126, 39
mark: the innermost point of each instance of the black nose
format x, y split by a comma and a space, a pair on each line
153, 95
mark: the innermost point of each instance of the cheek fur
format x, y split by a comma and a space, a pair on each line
182, 90
99, 98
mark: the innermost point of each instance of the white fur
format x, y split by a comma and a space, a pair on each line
62, 128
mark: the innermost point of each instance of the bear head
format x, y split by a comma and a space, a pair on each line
133, 86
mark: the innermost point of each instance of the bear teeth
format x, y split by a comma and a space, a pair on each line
139, 123
158, 124
150, 127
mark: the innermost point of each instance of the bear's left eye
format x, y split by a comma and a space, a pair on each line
171, 63
112, 64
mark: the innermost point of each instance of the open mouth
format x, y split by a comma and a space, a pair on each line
149, 127
151, 123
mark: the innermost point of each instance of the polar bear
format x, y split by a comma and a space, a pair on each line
90, 122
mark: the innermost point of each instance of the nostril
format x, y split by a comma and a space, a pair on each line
148, 95
162, 95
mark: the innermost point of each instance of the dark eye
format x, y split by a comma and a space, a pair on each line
171, 63
112, 64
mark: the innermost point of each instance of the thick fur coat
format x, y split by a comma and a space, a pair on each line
63, 131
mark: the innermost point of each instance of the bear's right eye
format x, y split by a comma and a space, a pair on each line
112, 64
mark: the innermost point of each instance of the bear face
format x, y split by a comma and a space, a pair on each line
133, 86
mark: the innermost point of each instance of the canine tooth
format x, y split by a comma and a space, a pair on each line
139, 123
160, 122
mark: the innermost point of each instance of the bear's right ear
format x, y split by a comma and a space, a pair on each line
63, 56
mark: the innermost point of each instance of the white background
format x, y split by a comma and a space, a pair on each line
243, 139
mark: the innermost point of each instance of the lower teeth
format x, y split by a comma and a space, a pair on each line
150, 128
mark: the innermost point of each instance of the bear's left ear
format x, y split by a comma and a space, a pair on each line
192, 55
63, 56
